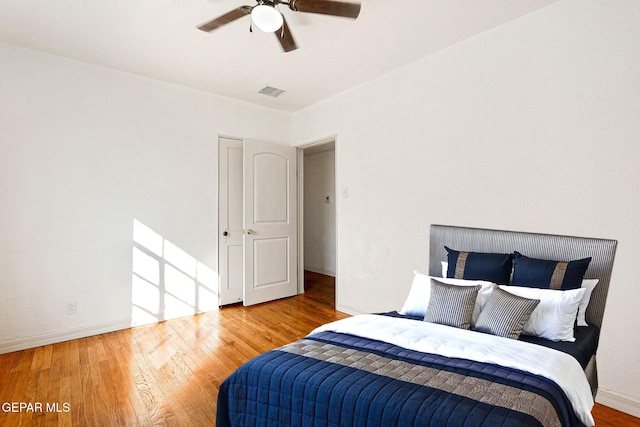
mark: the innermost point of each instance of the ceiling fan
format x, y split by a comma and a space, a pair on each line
266, 16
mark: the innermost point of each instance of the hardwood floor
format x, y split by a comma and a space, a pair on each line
164, 374
608, 417
320, 288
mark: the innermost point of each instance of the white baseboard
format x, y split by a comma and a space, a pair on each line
348, 310
620, 402
320, 271
40, 340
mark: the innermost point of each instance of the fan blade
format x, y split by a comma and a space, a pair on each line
326, 7
226, 18
286, 38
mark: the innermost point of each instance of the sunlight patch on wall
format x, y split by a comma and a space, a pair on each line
166, 281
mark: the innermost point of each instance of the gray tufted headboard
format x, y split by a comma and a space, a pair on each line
534, 245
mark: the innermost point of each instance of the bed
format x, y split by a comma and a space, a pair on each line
477, 352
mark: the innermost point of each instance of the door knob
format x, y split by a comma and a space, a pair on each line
250, 231
225, 233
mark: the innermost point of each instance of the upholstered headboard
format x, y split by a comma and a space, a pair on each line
543, 246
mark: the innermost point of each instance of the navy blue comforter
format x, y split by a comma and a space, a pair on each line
332, 379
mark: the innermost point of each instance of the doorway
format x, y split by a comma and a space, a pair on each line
319, 221
257, 221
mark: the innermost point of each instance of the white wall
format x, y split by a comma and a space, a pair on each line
532, 127
320, 216
85, 151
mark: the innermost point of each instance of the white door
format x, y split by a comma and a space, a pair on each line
230, 221
270, 222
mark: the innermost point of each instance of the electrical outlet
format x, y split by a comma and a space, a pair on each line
71, 307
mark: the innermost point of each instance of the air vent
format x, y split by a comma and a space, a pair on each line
271, 91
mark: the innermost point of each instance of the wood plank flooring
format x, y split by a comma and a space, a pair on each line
166, 374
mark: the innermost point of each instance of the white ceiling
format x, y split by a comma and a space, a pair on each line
159, 39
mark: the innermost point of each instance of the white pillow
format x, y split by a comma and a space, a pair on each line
555, 316
588, 285
418, 299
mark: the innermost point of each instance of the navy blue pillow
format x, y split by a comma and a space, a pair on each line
540, 273
494, 268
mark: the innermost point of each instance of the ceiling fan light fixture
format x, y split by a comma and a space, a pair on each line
267, 18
